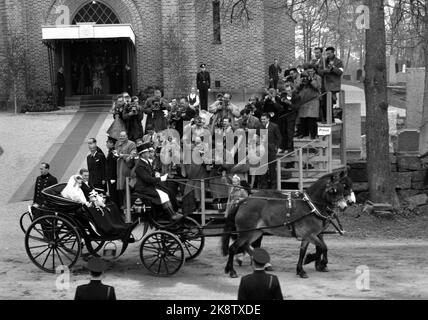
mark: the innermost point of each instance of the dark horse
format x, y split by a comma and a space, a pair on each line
262, 210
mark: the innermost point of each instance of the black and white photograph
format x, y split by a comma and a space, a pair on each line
231, 151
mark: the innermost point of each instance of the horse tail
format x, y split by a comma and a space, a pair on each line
229, 227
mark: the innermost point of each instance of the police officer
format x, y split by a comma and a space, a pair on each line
260, 285
203, 82
95, 290
43, 181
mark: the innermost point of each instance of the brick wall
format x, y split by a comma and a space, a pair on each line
241, 60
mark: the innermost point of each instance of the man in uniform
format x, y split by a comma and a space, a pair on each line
260, 285
203, 82
95, 290
43, 181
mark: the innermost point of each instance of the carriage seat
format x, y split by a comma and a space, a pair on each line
54, 198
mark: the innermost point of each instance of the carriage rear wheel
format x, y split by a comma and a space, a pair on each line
52, 241
93, 247
25, 221
190, 234
162, 253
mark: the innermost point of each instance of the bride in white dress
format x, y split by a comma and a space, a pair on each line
73, 191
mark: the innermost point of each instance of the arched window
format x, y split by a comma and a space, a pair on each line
97, 12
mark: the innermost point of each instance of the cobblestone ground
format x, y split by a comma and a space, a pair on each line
398, 266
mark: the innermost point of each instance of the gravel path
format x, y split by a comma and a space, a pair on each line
398, 266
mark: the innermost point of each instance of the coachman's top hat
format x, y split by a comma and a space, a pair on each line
261, 256
145, 147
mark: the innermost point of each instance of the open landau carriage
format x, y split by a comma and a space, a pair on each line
60, 232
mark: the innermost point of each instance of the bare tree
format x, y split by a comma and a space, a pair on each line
14, 67
377, 128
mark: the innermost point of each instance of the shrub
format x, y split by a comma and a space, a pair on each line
39, 101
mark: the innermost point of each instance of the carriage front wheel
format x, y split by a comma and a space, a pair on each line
162, 253
52, 241
25, 221
191, 235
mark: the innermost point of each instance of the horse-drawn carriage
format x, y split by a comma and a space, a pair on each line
58, 233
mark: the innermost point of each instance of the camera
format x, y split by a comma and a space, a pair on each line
156, 105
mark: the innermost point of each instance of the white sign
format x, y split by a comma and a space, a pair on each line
324, 131
86, 31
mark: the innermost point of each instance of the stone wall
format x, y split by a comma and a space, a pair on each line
409, 177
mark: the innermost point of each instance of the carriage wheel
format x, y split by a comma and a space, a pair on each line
190, 234
93, 247
52, 241
162, 253
25, 221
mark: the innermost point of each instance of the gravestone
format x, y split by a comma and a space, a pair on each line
414, 97
352, 120
391, 73
408, 141
359, 74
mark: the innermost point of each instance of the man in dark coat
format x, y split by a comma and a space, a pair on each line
332, 74
95, 290
43, 181
274, 141
272, 105
60, 83
260, 285
96, 162
148, 185
133, 115
154, 108
274, 72
111, 171
203, 82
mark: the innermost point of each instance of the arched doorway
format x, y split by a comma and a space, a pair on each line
97, 65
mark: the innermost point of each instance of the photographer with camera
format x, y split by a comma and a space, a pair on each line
133, 115
272, 105
222, 109
309, 89
156, 107
332, 74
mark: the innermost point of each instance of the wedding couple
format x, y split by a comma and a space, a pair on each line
73, 191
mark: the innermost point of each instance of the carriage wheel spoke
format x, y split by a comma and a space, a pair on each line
70, 232
47, 256
40, 232
53, 258
60, 249
160, 263
59, 257
166, 266
39, 239
41, 253
35, 247
153, 263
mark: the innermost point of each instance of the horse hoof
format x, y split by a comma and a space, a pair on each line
233, 274
302, 275
309, 258
270, 269
322, 269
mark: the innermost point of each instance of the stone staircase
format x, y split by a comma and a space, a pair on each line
89, 101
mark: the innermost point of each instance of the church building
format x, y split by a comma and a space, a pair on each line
149, 42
